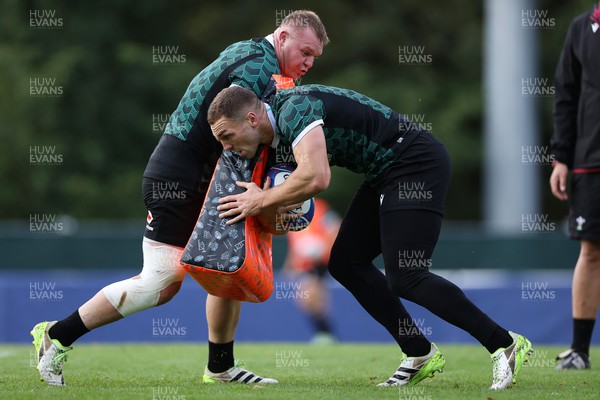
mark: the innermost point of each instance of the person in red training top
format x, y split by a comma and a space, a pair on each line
307, 257
576, 147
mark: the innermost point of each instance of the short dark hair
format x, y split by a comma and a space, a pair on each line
232, 103
307, 19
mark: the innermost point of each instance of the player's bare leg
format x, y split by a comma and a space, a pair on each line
316, 300
159, 281
98, 311
586, 281
316, 305
586, 298
222, 316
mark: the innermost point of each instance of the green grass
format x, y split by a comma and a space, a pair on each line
346, 371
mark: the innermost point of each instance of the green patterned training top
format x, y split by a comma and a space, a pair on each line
187, 152
361, 134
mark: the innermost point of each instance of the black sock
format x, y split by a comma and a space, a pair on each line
417, 346
500, 338
582, 335
220, 356
321, 324
68, 330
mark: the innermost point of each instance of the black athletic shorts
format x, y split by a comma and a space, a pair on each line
418, 180
584, 210
172, 211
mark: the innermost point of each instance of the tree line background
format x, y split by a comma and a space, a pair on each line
102, 123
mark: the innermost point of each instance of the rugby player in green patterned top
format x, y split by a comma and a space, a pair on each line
396, 212
174, 186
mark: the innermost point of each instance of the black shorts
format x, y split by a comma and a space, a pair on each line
172, 211
584, 210
418, 180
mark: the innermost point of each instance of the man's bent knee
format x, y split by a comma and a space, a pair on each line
133, 295
167, 294
338, 263
159, 281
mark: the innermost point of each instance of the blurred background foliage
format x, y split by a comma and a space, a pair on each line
102, 124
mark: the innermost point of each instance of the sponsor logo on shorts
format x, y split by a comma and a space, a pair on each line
149, 219
580, 221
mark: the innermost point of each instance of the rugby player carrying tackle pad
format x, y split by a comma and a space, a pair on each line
183, 162
233, 262
389, 214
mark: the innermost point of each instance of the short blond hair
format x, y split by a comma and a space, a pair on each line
306, 19
232, 103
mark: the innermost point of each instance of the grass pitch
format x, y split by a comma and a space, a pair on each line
344, 371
